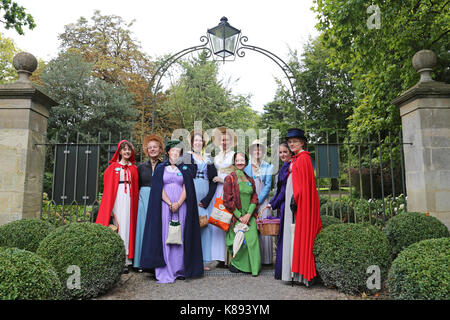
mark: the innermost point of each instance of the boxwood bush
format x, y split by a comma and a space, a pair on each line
407, 228
97, 251
421, 271
344, 252
24, 234
329, 220
24, 275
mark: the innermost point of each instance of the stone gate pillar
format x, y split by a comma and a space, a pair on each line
425, 113
24, 112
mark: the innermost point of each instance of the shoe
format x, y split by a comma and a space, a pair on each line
126, 270
233, 269
181, 278
221, 264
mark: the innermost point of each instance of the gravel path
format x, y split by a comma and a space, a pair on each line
218, 284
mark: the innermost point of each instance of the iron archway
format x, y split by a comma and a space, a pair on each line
155, 81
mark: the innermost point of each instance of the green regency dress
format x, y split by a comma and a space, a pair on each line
248, 258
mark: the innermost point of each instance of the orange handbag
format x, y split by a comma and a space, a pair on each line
220, 216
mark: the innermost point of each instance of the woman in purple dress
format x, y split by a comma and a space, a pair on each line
277, 202
172, 198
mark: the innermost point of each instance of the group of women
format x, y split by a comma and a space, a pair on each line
145, 204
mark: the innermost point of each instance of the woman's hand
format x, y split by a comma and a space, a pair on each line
175, 206
201, 205
245, 219
218, 179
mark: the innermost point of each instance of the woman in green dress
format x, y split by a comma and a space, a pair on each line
240, 198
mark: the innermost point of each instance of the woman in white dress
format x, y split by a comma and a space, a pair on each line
225, 139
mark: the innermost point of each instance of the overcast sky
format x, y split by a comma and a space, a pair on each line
168, 26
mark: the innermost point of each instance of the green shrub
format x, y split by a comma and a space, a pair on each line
97, 251
24, 275
24, 234
407, 228
421, 271
329, 220
343, 253
338, 209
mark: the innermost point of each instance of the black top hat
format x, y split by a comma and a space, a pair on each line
295, 133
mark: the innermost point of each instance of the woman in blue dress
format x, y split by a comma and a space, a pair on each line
152, 147
204, 171
261, 172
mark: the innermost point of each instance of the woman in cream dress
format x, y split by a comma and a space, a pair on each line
225, 139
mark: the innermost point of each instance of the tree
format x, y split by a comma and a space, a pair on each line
87, 105
15, 16
7, 52
378, 56
324, 91
198, 95
107, 42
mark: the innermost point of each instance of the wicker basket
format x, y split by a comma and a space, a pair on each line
268, 227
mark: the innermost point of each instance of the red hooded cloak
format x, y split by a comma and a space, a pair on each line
110, 185
308, 223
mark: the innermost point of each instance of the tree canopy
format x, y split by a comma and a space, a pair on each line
15, 16
7, 52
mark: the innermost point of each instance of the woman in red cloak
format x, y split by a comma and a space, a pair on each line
120, 197
303, 215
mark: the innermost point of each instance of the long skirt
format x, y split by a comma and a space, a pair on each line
218, 247
265, 242
201, 190
121, 212
247, 259
288, 238
173, 253
144, 194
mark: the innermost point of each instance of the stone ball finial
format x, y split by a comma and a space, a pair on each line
25, 64
424, 61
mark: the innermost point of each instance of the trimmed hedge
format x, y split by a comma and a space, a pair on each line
97, 251
407, 228
329, 220
24, 234
343, 253
421, 271
24, 275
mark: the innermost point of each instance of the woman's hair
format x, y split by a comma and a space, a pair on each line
285, 144
245, 155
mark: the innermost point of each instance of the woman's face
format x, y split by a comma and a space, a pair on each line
257, 152
125, 152
295, 144
225, 140
174, 154
154, 149
239, 161
197, 143
285, 154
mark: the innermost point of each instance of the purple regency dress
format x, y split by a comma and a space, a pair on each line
278, 202
173, 253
